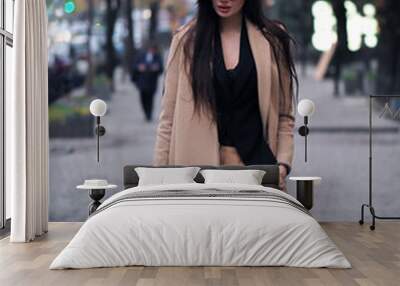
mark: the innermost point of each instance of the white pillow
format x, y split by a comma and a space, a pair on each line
248, 177
162, 176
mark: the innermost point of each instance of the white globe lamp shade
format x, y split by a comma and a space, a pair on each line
306, 107
98, 107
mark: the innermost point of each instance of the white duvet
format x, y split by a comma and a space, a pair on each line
200, 231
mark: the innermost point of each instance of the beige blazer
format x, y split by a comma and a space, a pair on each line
188, 138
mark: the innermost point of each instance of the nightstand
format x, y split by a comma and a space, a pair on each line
97, 190
305, 190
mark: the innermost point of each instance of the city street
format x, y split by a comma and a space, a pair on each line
338, 152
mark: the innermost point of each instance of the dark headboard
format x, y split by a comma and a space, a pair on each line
271, 177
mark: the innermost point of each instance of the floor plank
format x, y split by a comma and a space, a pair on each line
375, 257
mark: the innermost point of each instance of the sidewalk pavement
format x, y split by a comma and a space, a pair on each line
342, 113
340, 157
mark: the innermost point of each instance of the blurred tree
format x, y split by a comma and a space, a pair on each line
306, 25
388, 77
296, 15
90, 72
129, 41
112, 8
342, 51
154, 8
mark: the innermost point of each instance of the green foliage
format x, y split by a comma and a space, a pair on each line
62, 110
349, 74
371, 75
101, 80
77, 105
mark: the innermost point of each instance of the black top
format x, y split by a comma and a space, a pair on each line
238, 113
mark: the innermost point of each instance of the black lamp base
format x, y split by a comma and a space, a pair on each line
305, 193
96, 195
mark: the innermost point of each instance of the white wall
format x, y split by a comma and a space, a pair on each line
8, 85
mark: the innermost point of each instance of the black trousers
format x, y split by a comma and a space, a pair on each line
146, 99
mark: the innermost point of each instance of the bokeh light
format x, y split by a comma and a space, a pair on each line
369, 10
359, 26
69, 6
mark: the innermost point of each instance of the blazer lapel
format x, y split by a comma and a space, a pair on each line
262, 56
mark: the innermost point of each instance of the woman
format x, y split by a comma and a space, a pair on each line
228, 91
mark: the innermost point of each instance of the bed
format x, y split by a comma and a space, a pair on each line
199, 224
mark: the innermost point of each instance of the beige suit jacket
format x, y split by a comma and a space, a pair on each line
188, 138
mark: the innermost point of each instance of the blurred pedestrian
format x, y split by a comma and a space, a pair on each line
146, 69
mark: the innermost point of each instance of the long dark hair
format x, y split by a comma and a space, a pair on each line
199, 49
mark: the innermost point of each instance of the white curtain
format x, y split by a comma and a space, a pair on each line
27, 123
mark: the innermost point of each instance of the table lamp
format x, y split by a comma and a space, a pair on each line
98, 108
306, 108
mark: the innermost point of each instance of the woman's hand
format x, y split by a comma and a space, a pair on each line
282, 176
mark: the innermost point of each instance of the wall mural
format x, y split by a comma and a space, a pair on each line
89, 48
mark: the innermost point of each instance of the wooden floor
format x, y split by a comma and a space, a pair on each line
375, 257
